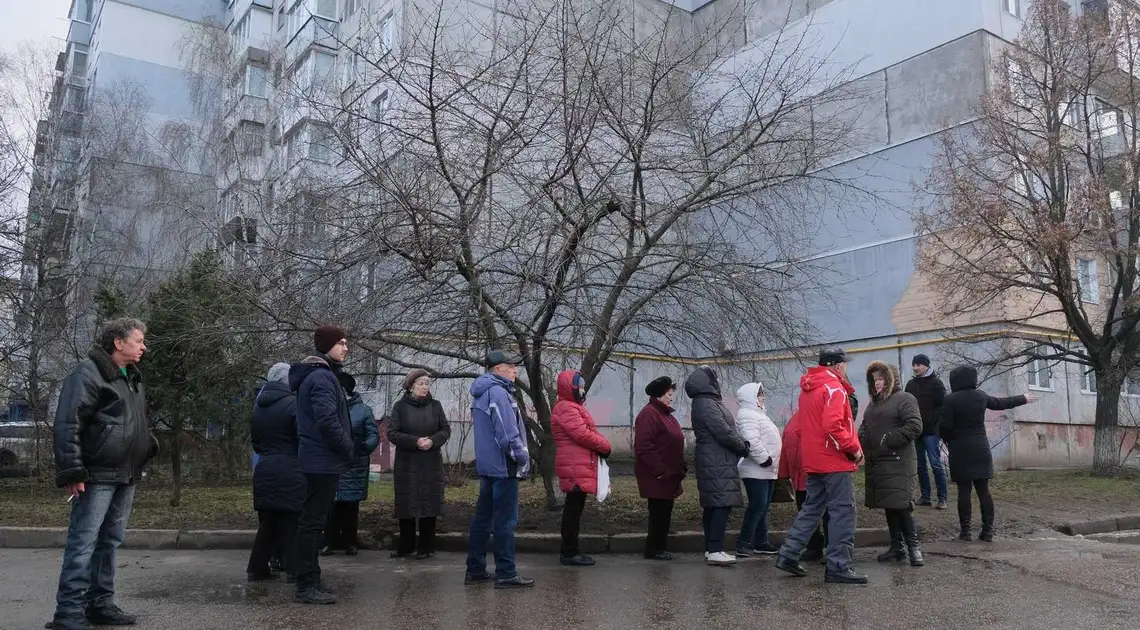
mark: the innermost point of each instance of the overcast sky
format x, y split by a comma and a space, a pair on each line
36, 20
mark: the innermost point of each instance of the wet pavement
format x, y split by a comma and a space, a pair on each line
1031, 584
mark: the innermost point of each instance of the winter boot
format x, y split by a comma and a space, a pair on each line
895, 551
914, 552
987, 533
965, 534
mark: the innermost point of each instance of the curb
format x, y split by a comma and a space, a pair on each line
1101, 526
525, 542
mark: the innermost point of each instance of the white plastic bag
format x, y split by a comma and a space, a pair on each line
603, 480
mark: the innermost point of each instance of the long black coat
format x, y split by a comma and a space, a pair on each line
417, 476
963, 425
890, 426
353, 484
719, 446
278, 483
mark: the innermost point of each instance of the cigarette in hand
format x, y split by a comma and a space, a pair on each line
70, 497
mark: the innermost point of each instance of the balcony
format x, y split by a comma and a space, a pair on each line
79, 32
316, 32
239, 230
250, 108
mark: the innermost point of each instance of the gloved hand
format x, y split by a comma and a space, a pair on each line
604, 455
747, 449
766, 463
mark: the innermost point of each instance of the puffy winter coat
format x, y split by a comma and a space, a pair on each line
763, 438
963, 425
791, 468
577, 440
498, 429
102, 434
353, 485
278, 483
930, 393
891, 424
417, 475
659, 452
718, 447
828, 443
324, 429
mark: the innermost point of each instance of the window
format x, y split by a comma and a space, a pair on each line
322, 69
351, 69
241, 32
367, 279
1088, 280
256, 81
1107, 120
1012, 7
1040, 375
1116, 200
78, 66
1132, 386
350, 7
387, 25
1020, 82
321, 142
251, 138
281, 17
1071, 114
1088, 382
74, 99
84, 10
325, 8
380, 105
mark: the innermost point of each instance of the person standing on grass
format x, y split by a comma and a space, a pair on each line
719, 448
891, 424
102, 440
501, 459
324, 432
929, 391
963, 427
578, 447
830, 454
758, 471
418, 429
659, 463
791, 468
352, 487
278, 485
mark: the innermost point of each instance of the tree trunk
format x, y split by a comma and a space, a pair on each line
176, 460
1106, 443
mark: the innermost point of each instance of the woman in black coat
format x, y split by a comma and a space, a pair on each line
891, 424
418, 429
278, 485
963, 428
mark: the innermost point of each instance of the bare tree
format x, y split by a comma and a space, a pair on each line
1036, 217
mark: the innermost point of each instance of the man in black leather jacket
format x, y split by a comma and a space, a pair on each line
102, 441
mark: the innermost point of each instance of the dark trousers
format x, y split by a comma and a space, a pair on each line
754, 527
344, 519
319, 494
900, 523
411, 543
818, 540
982, 486
572, 521
715, 522
660, 514
275, 530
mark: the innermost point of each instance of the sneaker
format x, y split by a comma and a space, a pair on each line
578, 560
720, 559
942, 504
767, 549
517, 581
743, 553
68, 623
110, 615
925, 502
847, 576
662, 556
327, 551
486, 578
788, 565
315, 596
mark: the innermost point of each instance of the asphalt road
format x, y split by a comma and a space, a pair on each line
1016, 584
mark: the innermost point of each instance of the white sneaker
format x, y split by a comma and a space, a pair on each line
720, 559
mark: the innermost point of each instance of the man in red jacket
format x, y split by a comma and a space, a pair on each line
829, 455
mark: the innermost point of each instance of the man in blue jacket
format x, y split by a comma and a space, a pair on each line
501, 459
324, 436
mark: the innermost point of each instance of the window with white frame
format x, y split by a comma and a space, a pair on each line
256, 80
241, 32
1012, 7
251, 138
386, 35
350, 69
367, 279
1107, 119
1088, 382
325, 9
78, 65
74, 99
322, 141
1088, 279
84, 10
322, 69
350, 7
1071, 113
1132, 386
1116, 200
1040, 374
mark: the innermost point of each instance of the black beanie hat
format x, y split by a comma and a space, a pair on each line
325, 337
921, 359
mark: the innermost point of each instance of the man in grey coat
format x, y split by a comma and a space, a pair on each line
718, 450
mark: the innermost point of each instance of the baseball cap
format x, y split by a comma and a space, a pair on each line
832, 355
499, 357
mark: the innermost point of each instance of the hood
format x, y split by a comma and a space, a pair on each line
273, 392
487, 381
300, 371
819, 376
963, 378
279, 373
889, 373
702, 382
746, 395
566, 385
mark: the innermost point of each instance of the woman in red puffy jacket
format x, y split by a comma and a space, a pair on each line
578, 446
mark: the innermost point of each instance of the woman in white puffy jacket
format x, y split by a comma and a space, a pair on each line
758, 470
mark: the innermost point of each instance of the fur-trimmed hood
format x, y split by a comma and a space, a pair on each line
889, 372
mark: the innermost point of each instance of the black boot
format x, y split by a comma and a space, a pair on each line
965, 533
913, 550
987, 533
895, 551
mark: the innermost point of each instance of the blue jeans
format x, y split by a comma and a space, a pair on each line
754, 527
496, 514
98, 524
930, 447
835, 494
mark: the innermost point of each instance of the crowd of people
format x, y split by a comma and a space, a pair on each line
313, 436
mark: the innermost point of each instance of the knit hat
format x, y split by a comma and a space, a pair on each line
658, 386
832, 356
412, 377
921, 359
325, 337
279, 373
347, 382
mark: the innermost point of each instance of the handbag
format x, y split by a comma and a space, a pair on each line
782, 493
